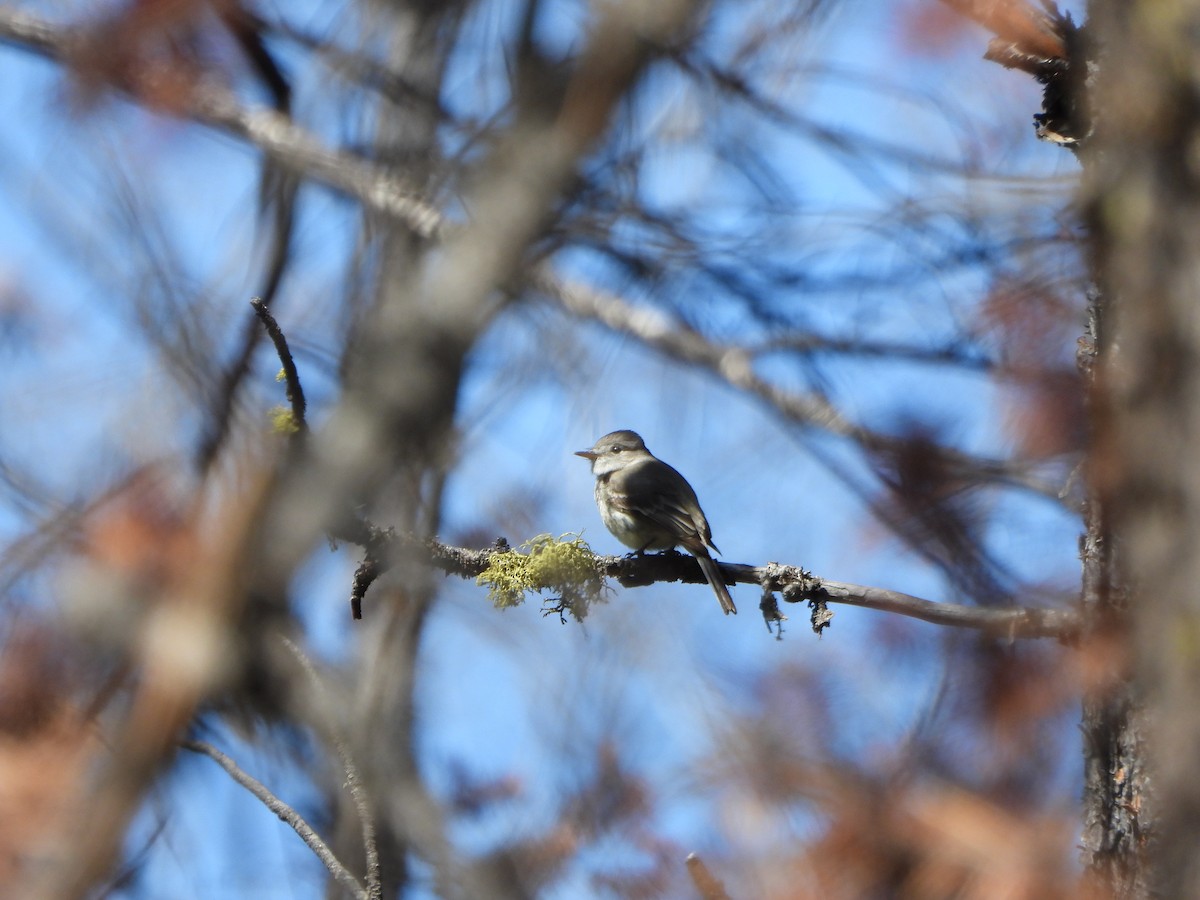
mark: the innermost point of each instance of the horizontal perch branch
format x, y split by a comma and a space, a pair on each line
793, 584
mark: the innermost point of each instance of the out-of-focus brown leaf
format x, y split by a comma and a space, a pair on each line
472, 796
157, 50
614, 795
1034, 31
46, 747
1033, 324
142, 533
932, 29
1046, 414
930, 504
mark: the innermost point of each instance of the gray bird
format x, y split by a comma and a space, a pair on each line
647, 505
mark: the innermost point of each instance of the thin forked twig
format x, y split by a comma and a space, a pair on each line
358, 795
340, 873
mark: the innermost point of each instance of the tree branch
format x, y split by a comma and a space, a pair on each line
792, 583
295, 391
735, 366
354, 782
298, 150
271, 131
707, 885
288, 815
1045, 43
955, 354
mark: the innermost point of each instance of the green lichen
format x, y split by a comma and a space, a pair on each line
565, 566
282, 420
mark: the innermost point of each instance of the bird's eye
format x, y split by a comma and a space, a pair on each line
617, 448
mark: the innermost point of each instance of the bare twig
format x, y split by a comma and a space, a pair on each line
354, 785
813, 344
295, 393
364, 577
735, 365
278, 192
284, 812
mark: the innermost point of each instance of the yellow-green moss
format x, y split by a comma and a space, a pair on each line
282, 420
565, 566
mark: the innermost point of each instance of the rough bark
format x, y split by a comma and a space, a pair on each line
1144, 215
1114, 741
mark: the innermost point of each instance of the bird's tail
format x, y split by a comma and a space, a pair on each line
712, 572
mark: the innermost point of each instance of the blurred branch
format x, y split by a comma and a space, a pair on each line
403, 385
21, 29
955, 354
861, 149
707, 885
278, 192
197, 599
273, 132
299, 150
735, 366
354, 784
288, 815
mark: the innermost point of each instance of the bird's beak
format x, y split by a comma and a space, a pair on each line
587, 454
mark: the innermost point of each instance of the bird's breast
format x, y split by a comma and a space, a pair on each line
633, 531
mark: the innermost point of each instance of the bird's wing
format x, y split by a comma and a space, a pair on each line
664, 498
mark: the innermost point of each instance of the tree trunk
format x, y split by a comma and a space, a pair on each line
1144, 213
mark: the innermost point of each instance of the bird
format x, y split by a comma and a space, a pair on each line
648, 505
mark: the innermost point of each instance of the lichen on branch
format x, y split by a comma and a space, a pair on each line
565, 566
